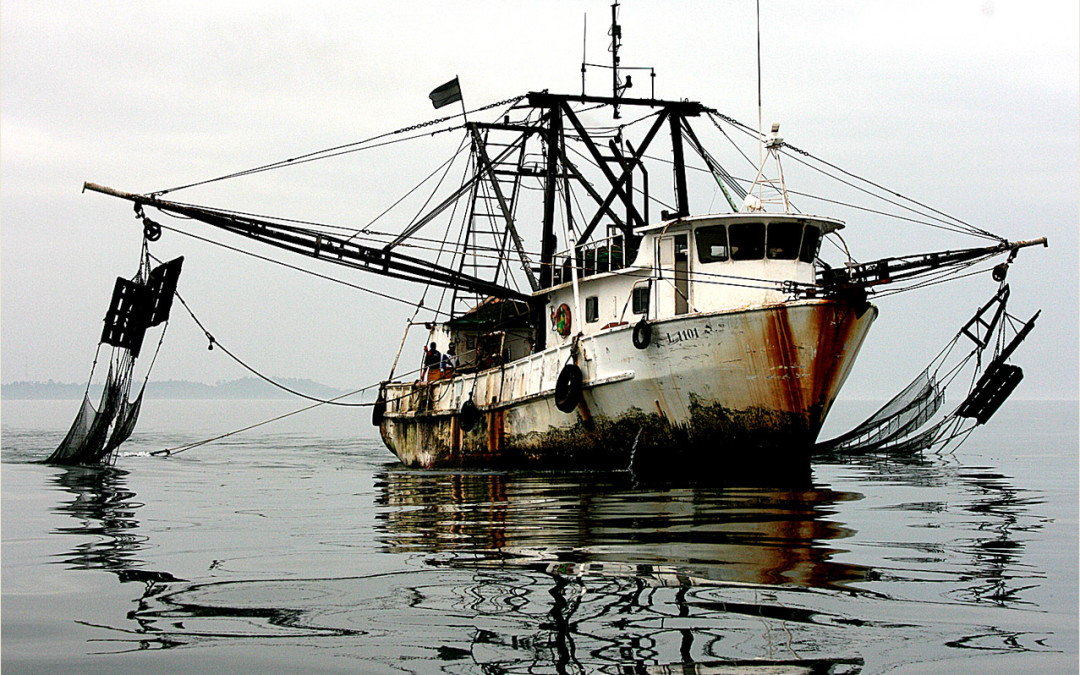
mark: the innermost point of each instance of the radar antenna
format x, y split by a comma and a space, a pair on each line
619, 85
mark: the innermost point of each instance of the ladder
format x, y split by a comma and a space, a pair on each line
491, 236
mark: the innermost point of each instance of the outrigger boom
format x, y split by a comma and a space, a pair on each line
320, 245
387, 262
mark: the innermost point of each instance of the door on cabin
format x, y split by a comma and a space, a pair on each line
673, 265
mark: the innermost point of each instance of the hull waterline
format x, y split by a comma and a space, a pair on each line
711, 392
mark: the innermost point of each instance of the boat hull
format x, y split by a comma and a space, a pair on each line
710, 392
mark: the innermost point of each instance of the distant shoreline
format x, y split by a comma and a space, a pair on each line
247, 388
244, 388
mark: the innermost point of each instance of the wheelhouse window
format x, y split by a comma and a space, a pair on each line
592, 309
639, 302
783, 241
747, 241
712, 243
810, 244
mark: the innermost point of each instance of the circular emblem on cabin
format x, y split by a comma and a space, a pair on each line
560, 320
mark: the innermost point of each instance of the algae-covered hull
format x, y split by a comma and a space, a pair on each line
712, 389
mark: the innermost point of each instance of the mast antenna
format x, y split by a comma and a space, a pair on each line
584, 48
770, 147
616, 42
761, 137
618, 85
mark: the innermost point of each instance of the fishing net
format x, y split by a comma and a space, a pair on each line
900, 425
905, 412
87, 442
137, 304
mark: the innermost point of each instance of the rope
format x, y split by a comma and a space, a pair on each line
182, 448
234, 357
189, 446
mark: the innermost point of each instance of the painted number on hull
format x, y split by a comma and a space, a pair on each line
682, 336
695, 333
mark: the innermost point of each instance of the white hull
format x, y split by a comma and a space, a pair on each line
711, 385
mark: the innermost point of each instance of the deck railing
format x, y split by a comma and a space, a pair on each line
595, 257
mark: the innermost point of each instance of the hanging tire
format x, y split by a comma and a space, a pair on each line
468, 416
642, 334
568, 388
378, 411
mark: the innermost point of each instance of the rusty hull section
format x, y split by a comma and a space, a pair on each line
711, 393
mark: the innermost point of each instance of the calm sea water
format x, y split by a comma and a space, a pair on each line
301, 547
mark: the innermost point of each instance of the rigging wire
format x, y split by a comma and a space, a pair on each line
961, 225
442, 248
741, 281
326, 277
345, 148
405, 196
946, 276
715, 277
971, 229
444, 243
652, 198
966, 229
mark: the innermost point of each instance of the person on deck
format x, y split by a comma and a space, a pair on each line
432, 361
449, 361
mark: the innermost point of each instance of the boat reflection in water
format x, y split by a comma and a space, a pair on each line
753, 535
581, 572
591, 571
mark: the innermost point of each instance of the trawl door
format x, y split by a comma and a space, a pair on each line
673, 288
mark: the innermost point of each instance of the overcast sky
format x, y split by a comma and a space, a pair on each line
970, 106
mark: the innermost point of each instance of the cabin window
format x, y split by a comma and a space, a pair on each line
747, 241
592, 309
639, 302
810, 244
783, 242
712, 244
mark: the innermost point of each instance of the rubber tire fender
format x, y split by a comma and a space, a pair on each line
468, 416
642, 334
568, 388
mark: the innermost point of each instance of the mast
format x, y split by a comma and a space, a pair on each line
553, 139
682, 200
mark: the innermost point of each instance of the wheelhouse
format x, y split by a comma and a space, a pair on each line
685, 266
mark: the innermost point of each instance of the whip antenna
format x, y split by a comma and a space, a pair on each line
761, 151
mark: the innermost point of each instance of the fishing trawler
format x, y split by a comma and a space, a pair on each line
642, 329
